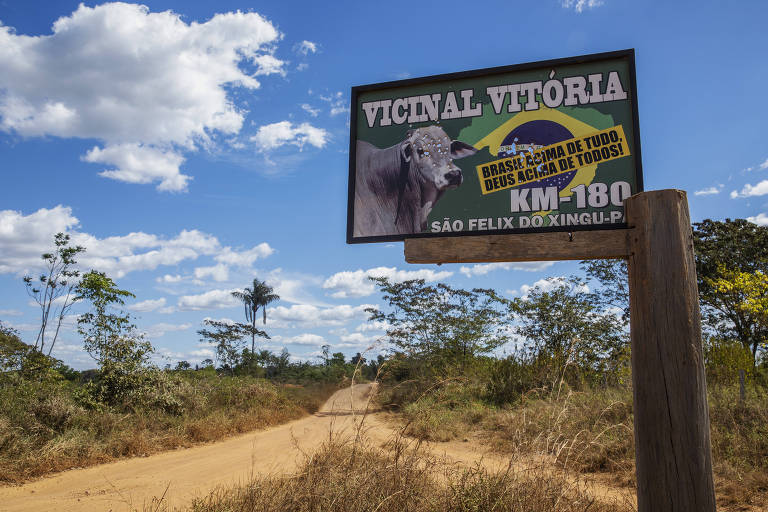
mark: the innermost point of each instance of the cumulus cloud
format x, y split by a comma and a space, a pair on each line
358, 339
306, 315
146, 84
275, 135
760, 219
147, 306
213, 299
710, 191
244, 258
748, 190
136, 163
355, 283
484, 268
580, 5
25, 237
303, 339
158, 330
218, 272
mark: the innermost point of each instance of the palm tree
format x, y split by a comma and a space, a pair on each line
254, 298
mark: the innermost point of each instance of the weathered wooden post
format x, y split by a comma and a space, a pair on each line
672, 445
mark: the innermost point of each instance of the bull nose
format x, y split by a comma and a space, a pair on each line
454, 177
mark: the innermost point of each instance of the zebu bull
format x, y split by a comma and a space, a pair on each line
397, 187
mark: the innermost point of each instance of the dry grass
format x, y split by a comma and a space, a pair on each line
354, 476
592, 432
44, 430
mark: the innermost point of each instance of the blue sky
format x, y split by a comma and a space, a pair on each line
192, 146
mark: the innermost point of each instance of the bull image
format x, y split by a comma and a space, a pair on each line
397, 187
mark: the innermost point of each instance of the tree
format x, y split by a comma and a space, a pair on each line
258, 296
441, 325
228, 339
741, 247
104, 327
563, 322
747, 293
53, 289
614, 282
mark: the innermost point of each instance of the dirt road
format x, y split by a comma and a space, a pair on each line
187, 473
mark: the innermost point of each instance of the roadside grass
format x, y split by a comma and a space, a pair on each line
345, 475
45, 427
592, 431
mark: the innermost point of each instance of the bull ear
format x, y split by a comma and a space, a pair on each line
460, 149
406, 150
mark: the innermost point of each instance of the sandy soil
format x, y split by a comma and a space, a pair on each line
183, 474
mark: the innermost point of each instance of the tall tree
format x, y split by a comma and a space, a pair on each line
258, 296
53, 289
736, 247
567, 324
104, 327
441, 325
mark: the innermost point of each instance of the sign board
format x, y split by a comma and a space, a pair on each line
538, 147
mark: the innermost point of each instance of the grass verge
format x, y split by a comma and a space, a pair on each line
44, 428
592, 431
349, 476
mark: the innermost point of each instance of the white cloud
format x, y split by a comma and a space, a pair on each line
274, 135
245, 258
764, 165
306, 315
580, 5
484, 268
146, 84
305, 47
10, 312
158, 330
337, 102
373, 326
303, 339
708, 191
213, 299
168, 278
269, 65
359, 339
218, 272
147, 306
314, 112
759, 189
355, 283
136, 163
24, 238
761, 219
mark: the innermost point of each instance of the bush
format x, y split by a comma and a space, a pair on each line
723, 358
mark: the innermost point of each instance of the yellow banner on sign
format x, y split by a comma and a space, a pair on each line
559, 158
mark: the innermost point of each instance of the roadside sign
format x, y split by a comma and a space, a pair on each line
537, 147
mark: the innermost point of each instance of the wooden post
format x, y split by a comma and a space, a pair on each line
672, 445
